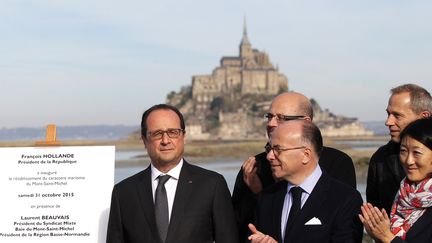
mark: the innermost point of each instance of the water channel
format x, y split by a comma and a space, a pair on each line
228, 169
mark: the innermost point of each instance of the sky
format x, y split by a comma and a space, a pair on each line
99, 62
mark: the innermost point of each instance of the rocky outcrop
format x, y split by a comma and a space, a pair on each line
230, 102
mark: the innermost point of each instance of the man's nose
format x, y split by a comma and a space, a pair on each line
165, 138
272, 122
390, 120
270, 155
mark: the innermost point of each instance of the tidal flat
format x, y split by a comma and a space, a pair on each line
360, 149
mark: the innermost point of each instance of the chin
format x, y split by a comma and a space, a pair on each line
415, 179
277, 175
167, 159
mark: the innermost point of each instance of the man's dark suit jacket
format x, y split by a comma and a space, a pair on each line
335, 162
420, 232
384, 176
202, 210
335, 204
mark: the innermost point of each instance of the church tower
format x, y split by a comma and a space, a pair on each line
245, 46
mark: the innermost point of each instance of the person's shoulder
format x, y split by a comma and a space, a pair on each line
332, 155
340, 197
339, 187
384, 150
199, 171
385, 147
332, 152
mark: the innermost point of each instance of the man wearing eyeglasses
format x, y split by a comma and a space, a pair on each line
256, 175
171, 200
306, 204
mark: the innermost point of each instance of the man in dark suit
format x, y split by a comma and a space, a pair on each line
306, 204
255, 174
171, 200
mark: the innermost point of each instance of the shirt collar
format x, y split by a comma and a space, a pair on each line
174, 172
309, 183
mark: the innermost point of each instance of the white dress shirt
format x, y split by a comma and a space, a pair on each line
170, 185
307, 185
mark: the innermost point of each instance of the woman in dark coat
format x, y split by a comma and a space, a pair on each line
411, 214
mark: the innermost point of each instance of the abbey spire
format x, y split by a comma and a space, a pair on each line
245, 40
245, 46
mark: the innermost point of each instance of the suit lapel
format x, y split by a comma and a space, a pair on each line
145, 195
278, 208
184, 189
318, 194
311, 206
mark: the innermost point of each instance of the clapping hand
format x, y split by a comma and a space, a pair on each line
376, 223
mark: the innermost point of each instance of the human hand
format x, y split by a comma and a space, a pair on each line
250, 176
258, 237
376, 223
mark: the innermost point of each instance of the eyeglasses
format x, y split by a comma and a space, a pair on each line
171, 132
277, 150
281, 118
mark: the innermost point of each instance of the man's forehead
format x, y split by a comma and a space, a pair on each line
288, 131
163, 113
399, 103
400, 98
284, 108
161, 117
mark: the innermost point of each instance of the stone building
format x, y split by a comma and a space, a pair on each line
230, 102
251, 72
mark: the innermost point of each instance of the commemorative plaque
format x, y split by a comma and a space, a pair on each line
55, 194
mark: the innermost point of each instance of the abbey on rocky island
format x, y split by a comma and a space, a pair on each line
230, 102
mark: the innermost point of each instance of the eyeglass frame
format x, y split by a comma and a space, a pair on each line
282, 118
161, 133
277, 150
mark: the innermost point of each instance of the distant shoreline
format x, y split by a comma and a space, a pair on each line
219, 151
232, 149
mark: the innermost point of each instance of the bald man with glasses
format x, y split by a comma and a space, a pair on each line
256, 175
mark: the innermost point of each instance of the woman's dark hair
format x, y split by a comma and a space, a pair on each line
160, 107
420, 130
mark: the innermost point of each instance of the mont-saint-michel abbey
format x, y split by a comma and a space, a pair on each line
230, 102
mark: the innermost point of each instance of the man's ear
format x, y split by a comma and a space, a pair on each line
307, 156
425, 114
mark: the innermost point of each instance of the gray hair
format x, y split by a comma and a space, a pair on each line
421, 99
